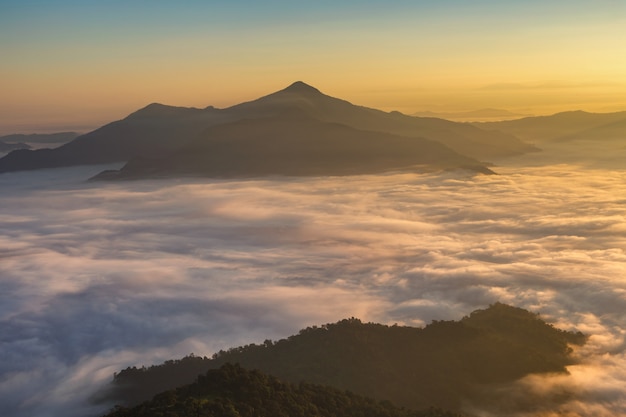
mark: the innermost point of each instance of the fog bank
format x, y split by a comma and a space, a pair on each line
96, 277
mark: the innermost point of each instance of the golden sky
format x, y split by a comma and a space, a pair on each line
77, 64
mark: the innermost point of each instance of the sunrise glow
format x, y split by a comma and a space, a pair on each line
80, 64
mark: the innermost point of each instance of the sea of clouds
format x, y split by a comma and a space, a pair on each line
95, 277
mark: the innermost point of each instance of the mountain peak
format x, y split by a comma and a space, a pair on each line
301, 87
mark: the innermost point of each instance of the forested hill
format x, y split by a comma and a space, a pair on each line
442, 364
234, 391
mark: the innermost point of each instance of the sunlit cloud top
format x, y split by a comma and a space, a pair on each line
72, 62
96, 277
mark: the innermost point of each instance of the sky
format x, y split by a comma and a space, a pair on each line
76, 65
95, 277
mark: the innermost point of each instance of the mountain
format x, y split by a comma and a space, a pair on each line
445, 364
614, 130
295, 144
18, 141
594, 140
234, 391
154, 130
157, 131
541, 129
40, 138
8, 147
460, 137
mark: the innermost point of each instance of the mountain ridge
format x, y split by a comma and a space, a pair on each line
479, 115
463, 138
539, 129
443, 364
8, 147
159, 130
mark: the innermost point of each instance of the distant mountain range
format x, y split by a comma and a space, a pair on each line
295, 131
565, 126
473, 115
17, 141
48, 138
8, 147
445, 364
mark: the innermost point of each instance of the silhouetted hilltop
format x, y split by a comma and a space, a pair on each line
300, 87
158, 130
444, 364
234, 391
157, 112
462, 138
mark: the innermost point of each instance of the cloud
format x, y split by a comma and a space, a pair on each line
97, 277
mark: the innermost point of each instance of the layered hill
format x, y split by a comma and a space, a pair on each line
58, 138
159, 132
445, 364
19, 141
11, 146
614, 130
594, 140
565, 125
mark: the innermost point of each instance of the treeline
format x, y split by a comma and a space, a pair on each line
232, 391
443, 364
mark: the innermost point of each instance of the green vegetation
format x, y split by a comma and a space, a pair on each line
441, 365
237, 392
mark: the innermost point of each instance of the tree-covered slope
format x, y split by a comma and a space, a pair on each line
234, 391
442, 364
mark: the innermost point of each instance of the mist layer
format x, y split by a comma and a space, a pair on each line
94, 278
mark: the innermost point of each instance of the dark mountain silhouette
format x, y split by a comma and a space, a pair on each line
156, 131
444, 364
40, 138
557, 126
8, 147
234, 391
295, 144
462, 138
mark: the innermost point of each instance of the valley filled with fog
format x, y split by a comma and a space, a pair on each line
100, 276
